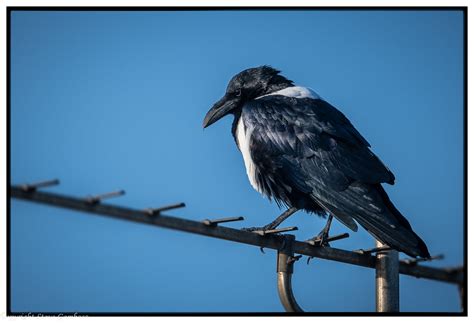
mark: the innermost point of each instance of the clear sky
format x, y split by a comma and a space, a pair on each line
110, 100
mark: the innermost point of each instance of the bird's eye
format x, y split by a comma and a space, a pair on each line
238, 92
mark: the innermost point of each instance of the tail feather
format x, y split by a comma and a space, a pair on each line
403, 221
371, 207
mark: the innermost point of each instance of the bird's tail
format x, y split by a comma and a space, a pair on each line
399, 235
371, 207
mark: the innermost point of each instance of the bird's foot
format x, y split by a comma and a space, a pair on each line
320, 240
269, 230
253, 229
258, 229
275, 223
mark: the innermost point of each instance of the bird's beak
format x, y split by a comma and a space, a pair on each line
219, 110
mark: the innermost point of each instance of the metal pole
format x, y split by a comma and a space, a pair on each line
450, 275
387, 292
285, 260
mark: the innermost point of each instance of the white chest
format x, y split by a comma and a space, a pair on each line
243, 139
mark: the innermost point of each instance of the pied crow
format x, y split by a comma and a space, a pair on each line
305, 154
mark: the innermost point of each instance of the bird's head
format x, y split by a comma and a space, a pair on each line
243, 87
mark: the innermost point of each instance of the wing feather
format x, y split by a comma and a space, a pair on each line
315, 130
309, 146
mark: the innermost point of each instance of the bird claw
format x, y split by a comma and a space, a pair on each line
320, 240
252, 229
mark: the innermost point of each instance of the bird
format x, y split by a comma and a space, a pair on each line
304, 154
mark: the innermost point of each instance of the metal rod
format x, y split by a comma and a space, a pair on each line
33, 186
329, 239
265, 232
158, 210
285, 260
98, 198
373, 250
415, 261
222, 220
268, 241
387, 292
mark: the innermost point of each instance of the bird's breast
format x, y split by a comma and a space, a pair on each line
243, 135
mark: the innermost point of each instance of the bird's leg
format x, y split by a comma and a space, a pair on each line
272, 225
324, 234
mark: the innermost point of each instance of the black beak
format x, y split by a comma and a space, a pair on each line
219, 110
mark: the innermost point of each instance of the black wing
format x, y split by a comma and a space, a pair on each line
308, 145
314, 132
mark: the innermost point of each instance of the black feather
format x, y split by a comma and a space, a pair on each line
309, 155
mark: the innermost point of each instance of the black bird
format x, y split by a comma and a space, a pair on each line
305, 154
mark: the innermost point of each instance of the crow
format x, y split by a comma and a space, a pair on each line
305, 154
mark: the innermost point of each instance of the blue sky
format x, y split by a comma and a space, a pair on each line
109, 100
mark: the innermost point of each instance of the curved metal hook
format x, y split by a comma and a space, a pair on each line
285, 260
